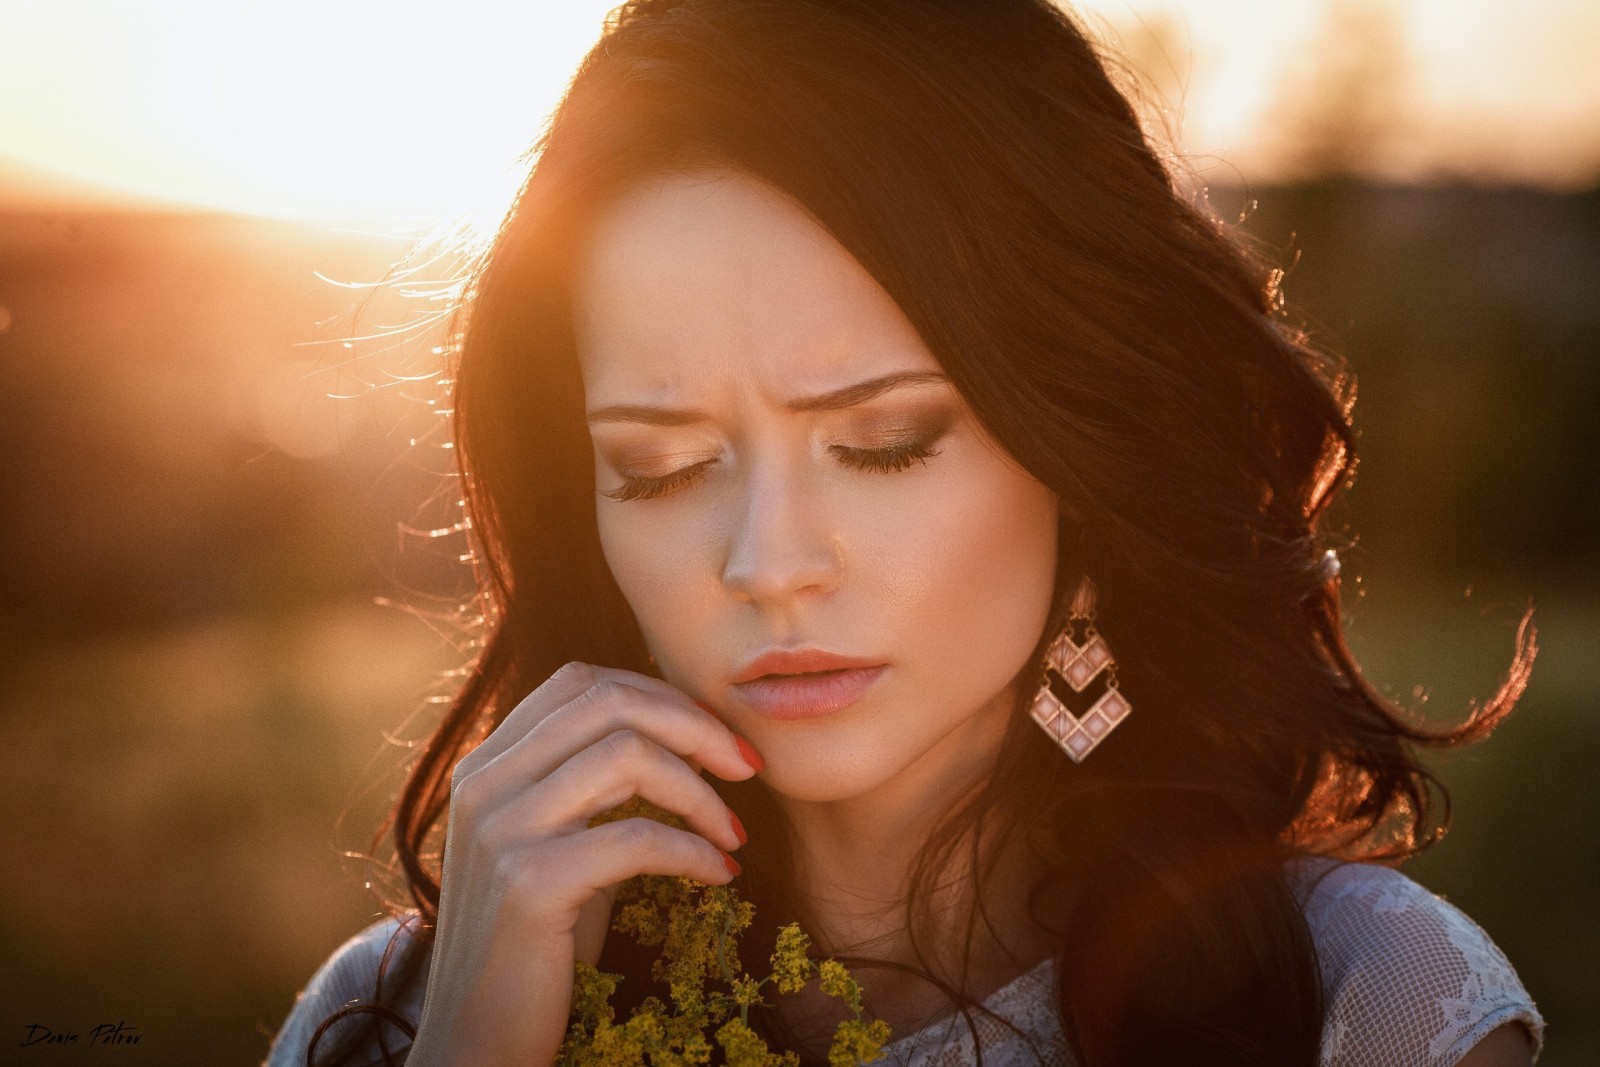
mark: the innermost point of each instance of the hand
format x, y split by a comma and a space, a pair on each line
527, 884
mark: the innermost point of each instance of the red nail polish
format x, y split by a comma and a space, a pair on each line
738, 827
730, 863
748, 751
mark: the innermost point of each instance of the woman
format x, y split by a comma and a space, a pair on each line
867, 446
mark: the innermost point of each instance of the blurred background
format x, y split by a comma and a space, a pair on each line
228, 562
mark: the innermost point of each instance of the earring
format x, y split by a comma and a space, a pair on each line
1078, 656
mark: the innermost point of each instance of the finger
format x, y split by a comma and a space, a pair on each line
619, 766
559, 689
611, 705
616, 851
554, 879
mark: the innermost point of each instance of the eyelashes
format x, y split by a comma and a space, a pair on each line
637, 488
888, 460
894, 458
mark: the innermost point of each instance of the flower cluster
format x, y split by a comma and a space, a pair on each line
697, 928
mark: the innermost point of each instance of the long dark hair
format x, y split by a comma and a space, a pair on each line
980, 163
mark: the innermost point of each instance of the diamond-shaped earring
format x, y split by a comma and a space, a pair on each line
1078, 655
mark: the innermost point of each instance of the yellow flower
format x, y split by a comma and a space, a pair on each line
591, 992
790, 964
697, 928
856, 1041
742, 1046
836, 982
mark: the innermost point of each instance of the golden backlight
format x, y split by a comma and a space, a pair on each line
402, 111
326, 109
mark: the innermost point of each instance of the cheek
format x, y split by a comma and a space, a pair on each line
654, 564
975, 563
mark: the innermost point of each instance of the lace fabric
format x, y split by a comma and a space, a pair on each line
346, 977
1028, 1003
1409, 980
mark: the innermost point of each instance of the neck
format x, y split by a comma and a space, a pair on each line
853, 860
854, 857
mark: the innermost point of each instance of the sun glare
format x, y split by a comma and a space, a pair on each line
403, 113
318, 109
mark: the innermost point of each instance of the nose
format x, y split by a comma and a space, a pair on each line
780, 544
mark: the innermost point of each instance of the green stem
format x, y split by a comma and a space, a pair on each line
722, 955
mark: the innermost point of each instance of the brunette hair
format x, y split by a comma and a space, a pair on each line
1128, 351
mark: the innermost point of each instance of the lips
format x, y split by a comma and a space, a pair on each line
804, 683
799, 661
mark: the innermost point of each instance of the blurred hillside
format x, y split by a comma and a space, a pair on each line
1472, 320
174, 452
201, 683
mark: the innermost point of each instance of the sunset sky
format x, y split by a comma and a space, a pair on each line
382, 113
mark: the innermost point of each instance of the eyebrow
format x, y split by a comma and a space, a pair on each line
837, 399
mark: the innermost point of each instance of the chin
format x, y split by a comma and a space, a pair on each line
816, 774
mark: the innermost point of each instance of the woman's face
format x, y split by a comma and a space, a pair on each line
817, 538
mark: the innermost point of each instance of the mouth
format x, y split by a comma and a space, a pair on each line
804, 674
805, 684
799, 663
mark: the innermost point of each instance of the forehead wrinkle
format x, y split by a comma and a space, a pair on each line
839, 399
731, 329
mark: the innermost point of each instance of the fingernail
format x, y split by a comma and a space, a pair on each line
738, 827
748, 751
730, 863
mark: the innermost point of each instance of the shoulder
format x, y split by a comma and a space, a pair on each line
346, 977
1408, 978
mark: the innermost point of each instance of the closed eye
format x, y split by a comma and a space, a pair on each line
638, 487
894, 458
887, 460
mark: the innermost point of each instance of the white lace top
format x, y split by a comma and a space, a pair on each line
1409, 982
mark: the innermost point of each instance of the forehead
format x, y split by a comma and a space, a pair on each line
694, 282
